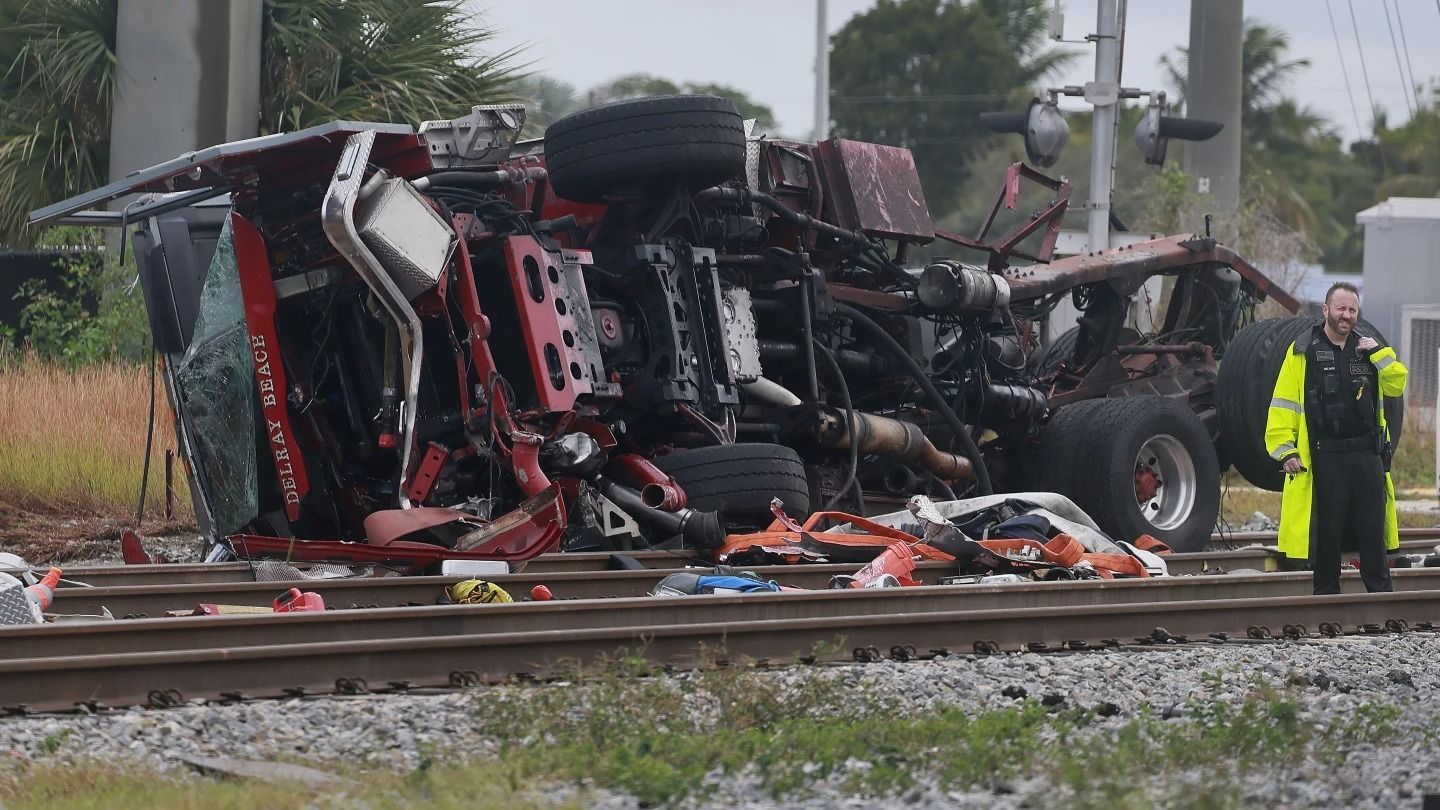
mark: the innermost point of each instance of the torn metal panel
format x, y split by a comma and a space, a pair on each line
288, 157
876, 189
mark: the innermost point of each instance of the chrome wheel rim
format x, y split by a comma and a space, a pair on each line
1175, 492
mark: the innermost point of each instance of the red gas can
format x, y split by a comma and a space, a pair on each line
297, 601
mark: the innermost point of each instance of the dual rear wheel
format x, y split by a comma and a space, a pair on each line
1136, 465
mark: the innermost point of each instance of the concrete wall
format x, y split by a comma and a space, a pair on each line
1402, 267
1402, 270
189, 78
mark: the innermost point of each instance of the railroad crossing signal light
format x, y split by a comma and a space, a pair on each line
1042, 125
1155, 130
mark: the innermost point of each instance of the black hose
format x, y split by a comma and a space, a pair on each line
859, 318
745, 195
850, 479
149, 436
807, 328
490, 179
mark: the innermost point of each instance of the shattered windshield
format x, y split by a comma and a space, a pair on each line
217, 388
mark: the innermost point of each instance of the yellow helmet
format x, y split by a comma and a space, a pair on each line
476, 591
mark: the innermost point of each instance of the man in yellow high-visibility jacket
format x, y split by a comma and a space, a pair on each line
1326, 428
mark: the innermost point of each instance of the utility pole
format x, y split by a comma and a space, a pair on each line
187, 77
1104, 95
822, 74
1045, 131
1217, 33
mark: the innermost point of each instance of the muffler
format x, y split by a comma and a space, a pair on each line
884, 436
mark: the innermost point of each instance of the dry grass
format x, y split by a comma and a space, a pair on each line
1414, 464
72, 445
1239, 501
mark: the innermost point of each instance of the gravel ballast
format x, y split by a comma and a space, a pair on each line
1329, 679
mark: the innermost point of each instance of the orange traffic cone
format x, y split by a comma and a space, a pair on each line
42, 592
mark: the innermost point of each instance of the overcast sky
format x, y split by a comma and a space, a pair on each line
766, 47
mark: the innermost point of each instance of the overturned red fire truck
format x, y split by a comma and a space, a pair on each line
642, 329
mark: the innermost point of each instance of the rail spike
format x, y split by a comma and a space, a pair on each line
462, 678
351, 686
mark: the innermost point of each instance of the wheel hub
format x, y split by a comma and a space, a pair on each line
1147, 484
1165, 486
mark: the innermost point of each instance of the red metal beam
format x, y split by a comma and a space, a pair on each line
1168, 254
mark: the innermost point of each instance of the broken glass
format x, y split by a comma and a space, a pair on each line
216, 383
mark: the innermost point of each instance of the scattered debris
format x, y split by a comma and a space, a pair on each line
477, 591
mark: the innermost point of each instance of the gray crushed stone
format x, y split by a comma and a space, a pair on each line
1259, 522
178, 548
1330, 679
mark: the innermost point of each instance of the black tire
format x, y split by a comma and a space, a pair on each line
1100, 446
739, 480
1063, 348
1242, 396
1058, 467
1059, 350
627, 145
1247, 380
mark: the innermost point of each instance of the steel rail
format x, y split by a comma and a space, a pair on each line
1258, 557
59, 683
155, 599
244, 630
1251, 556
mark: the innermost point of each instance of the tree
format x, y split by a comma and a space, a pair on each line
58, 81
639, 85
1291, 157
1264, 74
918, 73
375, 60
546, 100
1411, 154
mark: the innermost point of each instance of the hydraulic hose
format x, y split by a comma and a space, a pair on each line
741, 196
480, 180
982, 475
849, 436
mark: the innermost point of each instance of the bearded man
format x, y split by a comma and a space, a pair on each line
1326, 428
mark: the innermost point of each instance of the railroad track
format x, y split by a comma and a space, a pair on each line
243, 630
1257, 557
153, 600
161, 661
680, 632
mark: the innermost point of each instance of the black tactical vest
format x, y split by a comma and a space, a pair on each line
1341, 388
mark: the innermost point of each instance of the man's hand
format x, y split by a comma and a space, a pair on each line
1367, 344
1292, 464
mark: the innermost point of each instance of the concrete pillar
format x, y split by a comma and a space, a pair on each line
1217, 32
189, 77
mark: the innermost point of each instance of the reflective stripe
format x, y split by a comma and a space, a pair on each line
1287, 404
1283, 450
1384, 361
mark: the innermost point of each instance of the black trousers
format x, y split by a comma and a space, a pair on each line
1348, 510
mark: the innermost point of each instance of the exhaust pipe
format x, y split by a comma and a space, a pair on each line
696, 529
900, 480
884, 436
657, 490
